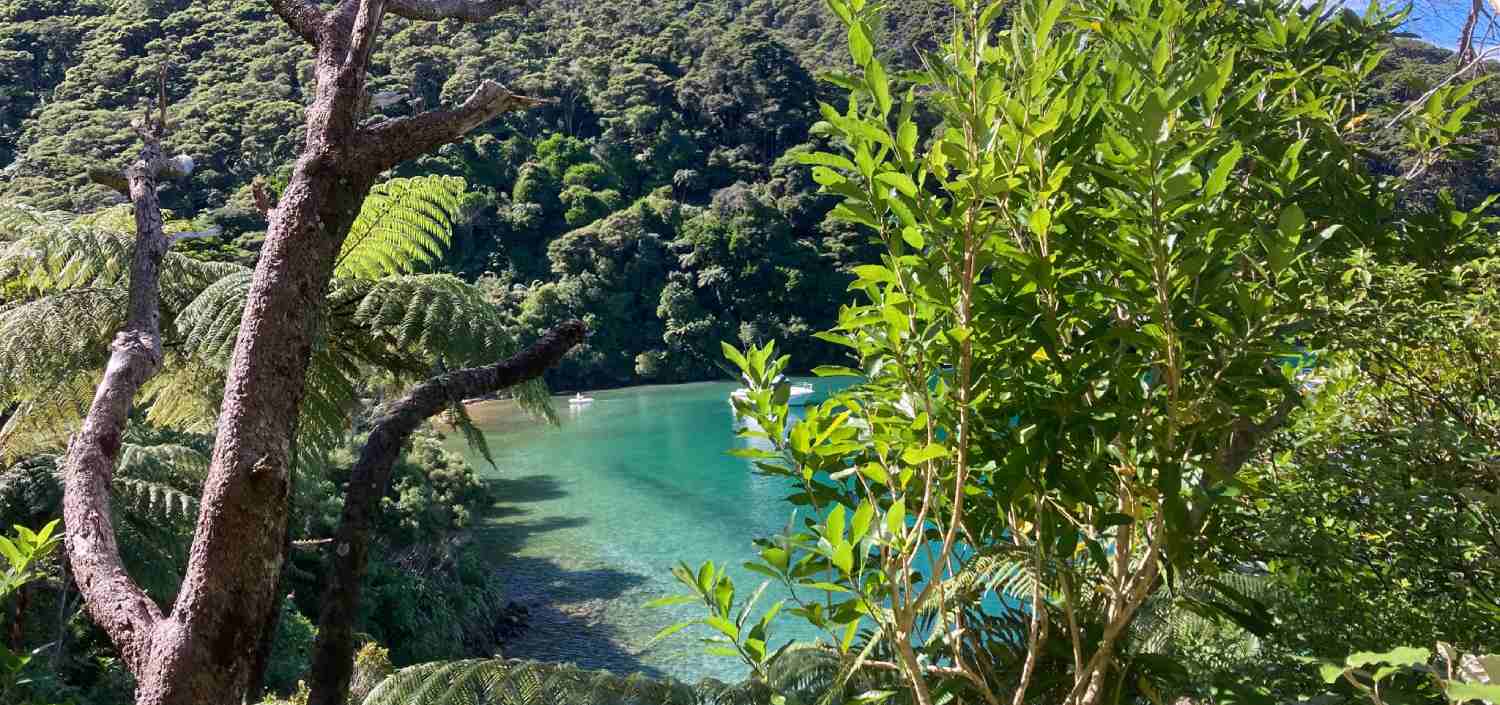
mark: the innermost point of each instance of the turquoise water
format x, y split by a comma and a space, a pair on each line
594, 514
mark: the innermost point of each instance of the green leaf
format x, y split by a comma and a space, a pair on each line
850, 631
670, 600
1291, 222
776, 557
880, 86
734, 356
895, 519
874, 273
901, 182
724, 626
861, 524
1330, 672
1219, 178
843, 557
835, 371
1464, 692
859, 44
669, 631
832, 161
11, 553
834, 527
1399, 656
913, 237
932, 451
1040, 221
906, 139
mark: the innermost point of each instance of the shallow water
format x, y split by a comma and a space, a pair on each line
596, 512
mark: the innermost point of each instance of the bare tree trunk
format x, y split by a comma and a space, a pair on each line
203, 651
333, 654
115, 601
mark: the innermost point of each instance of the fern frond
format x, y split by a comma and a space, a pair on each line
427, 320
437, 315
47, 340
172, 459
458, 417
155, 498
72, 258
802, 673
211, 322
49, 261
329, 398
403, 226
185, 395
500, 682
43, 419
18, 220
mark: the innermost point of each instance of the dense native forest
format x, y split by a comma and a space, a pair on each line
1174, 328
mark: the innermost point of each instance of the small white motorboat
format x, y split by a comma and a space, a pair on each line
579, 400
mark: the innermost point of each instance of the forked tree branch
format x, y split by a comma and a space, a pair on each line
113, 599
303, 16
333, 654
465, 10
390, 142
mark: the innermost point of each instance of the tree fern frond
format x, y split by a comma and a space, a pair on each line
329, 397
500, 682
210, 324
429, 319
185, 395
163, 460
156, 499
18, 220
404, 225
49, 261
46, 340
42, 421
437, 315
802, 673
72, 258
457, 416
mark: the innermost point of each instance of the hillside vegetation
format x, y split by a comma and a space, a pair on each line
657, 199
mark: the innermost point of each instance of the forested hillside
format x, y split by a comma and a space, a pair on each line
652, 199
657, 198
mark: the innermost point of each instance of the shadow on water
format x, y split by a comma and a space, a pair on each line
565, 606
511, 493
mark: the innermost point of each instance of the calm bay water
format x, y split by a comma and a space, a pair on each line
594, 514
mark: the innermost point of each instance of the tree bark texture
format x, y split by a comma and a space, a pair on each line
113, 600
203, 651
333, 654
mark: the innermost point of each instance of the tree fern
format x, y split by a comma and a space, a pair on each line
63, 287
404, 224
18, 220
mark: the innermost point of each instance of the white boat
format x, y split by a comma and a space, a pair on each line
579, 400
